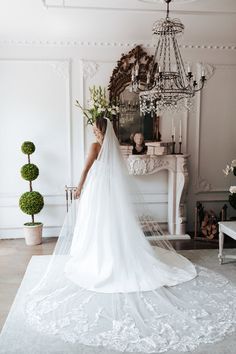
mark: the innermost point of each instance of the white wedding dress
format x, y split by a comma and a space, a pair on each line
107, 286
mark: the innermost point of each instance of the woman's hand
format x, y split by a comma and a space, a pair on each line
77, 193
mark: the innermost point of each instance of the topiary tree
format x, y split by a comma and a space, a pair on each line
31, 202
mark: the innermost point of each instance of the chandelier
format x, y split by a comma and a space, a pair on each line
168, 84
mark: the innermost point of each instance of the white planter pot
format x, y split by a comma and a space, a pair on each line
33, 234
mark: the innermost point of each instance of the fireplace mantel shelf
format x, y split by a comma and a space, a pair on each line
148, 164
177, 183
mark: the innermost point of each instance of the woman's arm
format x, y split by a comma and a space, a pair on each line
92, 155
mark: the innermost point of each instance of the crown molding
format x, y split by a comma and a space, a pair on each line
130, 44
65, 5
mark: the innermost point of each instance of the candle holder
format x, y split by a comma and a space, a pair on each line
173, 145
180, 146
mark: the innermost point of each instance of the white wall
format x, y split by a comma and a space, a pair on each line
38, 88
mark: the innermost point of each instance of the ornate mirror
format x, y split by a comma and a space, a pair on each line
129, 120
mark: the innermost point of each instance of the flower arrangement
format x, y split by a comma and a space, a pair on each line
98, 105
232, 189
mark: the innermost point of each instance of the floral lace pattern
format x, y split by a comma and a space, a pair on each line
179, 318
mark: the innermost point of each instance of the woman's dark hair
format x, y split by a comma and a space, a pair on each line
101, 124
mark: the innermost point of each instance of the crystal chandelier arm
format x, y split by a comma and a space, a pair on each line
202, 81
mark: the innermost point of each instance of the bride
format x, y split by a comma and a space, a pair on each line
107, 286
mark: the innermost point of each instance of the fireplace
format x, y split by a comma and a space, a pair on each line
141, 165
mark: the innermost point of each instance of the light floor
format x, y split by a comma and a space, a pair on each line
14, 258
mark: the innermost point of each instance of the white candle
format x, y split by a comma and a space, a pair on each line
174, 133
180, 130
172, 126
189, 68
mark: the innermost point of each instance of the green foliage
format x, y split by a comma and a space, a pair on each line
32, 223
29, 172
28, 147
31, 202
232, 200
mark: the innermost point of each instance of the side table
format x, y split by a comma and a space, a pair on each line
228, 228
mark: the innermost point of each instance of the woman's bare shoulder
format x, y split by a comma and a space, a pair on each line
95, 148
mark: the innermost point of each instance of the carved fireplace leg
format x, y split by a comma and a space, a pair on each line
171, 201
182, 180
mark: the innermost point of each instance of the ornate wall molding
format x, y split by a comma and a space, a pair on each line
90, 68
129, 44
201, 184
61, 69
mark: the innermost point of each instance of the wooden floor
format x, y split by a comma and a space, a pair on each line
15, 256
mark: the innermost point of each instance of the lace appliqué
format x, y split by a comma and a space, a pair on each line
179, 318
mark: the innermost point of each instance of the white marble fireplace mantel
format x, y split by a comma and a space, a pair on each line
177, 185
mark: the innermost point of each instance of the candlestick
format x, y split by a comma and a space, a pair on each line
180, 144
173, 145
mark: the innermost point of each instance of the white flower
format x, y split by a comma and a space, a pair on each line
227, 170
232, 189
233, 163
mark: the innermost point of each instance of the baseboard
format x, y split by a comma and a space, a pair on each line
170, 237
54, 231
17, 232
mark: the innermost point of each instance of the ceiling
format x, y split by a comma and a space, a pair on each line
206, 21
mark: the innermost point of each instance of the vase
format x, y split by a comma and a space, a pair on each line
33, 234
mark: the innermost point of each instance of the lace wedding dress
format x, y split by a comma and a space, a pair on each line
107, 286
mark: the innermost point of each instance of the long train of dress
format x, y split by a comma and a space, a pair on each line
107, 286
